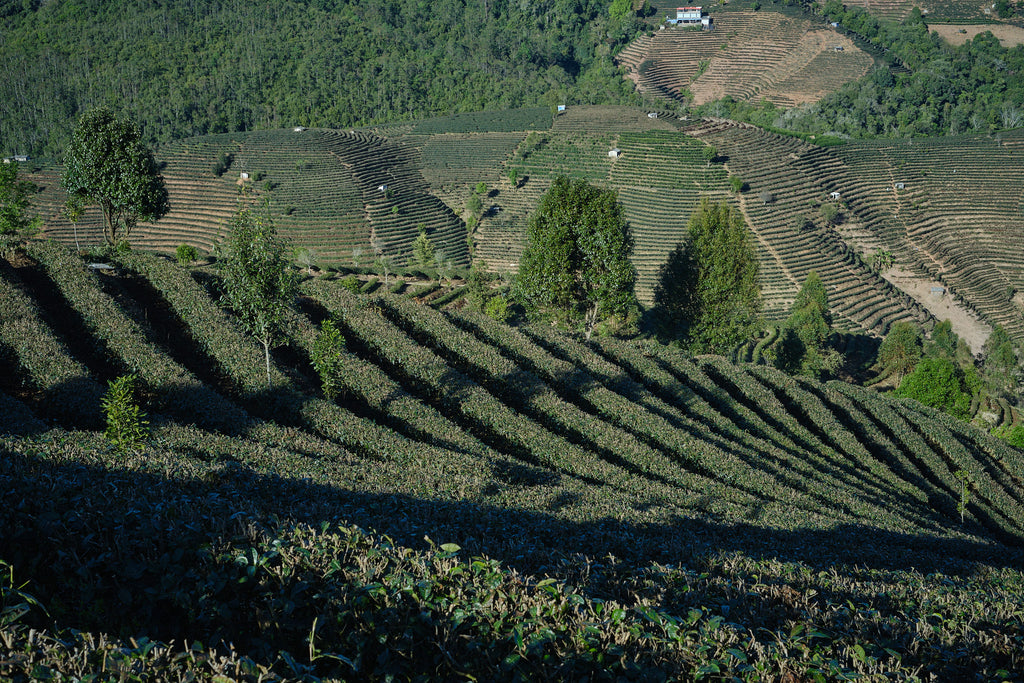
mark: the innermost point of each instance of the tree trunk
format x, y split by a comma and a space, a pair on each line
266, 352
590, 321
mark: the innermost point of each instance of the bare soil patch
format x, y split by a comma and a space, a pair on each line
966, 324
958, 34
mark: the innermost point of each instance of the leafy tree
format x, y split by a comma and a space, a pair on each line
382, 262
513, 177
900, 350
1001, 366
423, 249
810, 322
736, 183
939, 383
14, 200
127, 426
258, 282
474, 205
576, 261
327, 359
107, 164
444, 267
306, 258
707, 292
481, 188
710, 154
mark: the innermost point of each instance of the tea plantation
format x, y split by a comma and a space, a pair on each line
481, 501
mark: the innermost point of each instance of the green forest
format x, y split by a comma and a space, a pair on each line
183, 68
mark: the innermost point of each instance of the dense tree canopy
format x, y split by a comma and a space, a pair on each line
576, 259
901, 349
107, 164
707, 290
184, 68
939, 383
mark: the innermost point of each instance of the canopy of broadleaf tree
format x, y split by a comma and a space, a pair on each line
107, 164
707, 292
576, 260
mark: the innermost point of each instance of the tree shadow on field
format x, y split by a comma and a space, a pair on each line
144, 548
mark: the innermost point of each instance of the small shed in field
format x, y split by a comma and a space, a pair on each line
614, 153
835, 196
900, 186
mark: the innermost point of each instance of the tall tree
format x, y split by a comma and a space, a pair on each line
258, 282
576, 261
714, 302
807, 332
107, 164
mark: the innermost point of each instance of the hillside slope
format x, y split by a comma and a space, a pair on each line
324, 191
748, 56
636, 475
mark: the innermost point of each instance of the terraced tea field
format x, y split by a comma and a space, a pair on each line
956, 224
748, 56
958, 217
545, 501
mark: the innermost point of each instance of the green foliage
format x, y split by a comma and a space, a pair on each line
1002, 371
127, 427
222, 164
186, 254
710, 154
14, 200
323, 64
107, 164
513, 177
351, 283
497, 308
881, 261
258, 284
576, 260
423, 249
804, 340
620, 9
938, 383
306, 258
326, 358
964, 477
900, 350
474, 205
707, 292
479, 285
937, 89
1013, 436
737, 184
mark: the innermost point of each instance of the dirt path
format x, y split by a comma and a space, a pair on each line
761, 240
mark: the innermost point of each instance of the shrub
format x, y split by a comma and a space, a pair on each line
186, 254
351, 283
222, 164
326, 357
127, 427
497, 308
